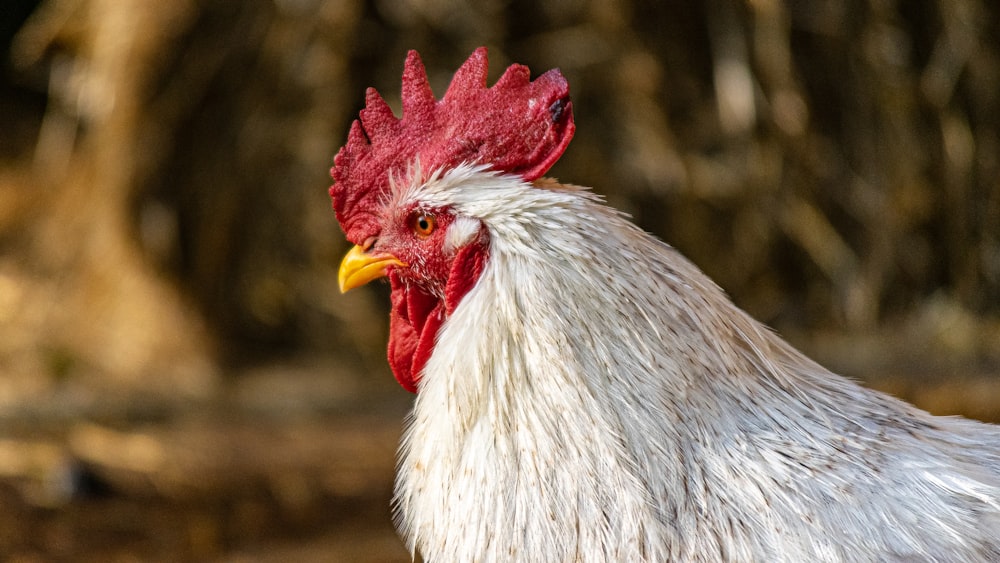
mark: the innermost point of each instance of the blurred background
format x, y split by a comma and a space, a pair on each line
180, 378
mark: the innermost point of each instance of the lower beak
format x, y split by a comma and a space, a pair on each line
360, 267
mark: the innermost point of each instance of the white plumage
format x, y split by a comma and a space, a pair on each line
586, 394
595, 397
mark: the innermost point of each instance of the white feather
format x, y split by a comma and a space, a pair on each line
461, 232
595, 397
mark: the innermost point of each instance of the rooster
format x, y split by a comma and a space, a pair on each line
585, 393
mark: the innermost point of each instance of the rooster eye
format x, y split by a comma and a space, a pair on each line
424, 224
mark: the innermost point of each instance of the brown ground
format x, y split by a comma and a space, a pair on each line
285, 468
290, 462
167, 243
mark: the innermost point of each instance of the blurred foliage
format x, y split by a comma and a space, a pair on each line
831, 164
164, 219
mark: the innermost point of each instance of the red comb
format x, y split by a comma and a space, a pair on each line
518, 126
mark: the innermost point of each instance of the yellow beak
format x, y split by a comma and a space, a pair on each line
359, 267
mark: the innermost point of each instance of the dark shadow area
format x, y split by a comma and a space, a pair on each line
180, 378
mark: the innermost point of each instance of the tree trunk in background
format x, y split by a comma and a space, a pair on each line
92, 308
829, 164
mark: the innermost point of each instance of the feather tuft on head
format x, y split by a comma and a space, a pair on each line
518, 126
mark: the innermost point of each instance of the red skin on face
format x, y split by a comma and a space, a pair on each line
427, 290
417, 315
518, 126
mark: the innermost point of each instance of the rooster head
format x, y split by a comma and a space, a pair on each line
433, 255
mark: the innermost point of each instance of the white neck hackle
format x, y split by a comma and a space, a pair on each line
596, 397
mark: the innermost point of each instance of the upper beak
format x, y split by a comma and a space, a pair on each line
360, 267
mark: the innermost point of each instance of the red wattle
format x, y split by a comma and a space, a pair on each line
465, 270
407, 321
417, 316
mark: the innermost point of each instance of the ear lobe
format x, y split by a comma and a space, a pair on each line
461, 232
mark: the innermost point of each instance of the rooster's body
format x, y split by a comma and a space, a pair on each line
586, 393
